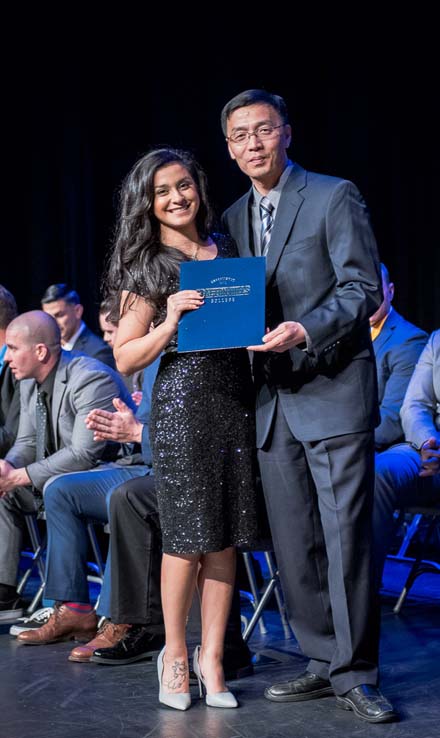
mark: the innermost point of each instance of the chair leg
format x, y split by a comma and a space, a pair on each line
416, 568
278, 593
411, 531
254, 590
256, 617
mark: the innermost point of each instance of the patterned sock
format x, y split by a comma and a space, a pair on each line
82, 608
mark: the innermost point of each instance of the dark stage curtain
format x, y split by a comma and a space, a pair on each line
70, 142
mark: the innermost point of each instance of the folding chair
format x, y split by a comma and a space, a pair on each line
36, 555
430, 515
259, 600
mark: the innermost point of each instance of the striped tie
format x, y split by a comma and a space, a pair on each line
266, 209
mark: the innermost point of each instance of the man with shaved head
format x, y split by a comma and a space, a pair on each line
58, 390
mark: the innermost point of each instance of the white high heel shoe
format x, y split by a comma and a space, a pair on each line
181, 700
217, 699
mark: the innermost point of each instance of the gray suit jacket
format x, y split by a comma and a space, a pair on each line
81, 384
397, 349
90, 344
322, 271
420, 411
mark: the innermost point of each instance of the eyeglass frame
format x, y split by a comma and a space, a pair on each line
253, 133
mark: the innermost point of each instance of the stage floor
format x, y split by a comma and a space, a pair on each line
42, 695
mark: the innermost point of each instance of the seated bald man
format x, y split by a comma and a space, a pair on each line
58, 390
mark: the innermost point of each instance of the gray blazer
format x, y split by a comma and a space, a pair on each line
81, 384
420, 411
323, 271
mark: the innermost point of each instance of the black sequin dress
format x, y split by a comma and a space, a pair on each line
202, 434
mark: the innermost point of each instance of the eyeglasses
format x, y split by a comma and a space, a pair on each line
262, 132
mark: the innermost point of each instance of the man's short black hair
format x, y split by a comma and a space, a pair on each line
60, 292
8, 307
253, 97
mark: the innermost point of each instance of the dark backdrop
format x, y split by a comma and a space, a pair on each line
76, 122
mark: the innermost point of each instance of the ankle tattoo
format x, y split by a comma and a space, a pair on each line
180, 672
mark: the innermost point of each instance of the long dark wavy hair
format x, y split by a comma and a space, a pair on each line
138, 261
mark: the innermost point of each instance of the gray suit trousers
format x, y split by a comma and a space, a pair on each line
13, 508
319, 500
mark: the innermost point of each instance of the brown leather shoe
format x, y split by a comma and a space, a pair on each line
107, 636
63, 625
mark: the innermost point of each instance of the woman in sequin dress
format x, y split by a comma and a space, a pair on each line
202, 415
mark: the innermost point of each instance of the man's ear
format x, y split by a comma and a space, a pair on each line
41, 351
231, 154
79, 309
288, 134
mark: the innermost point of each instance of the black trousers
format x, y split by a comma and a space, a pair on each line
136, 554
319, 500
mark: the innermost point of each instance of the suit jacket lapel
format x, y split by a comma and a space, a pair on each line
59, 388
243, 226
288, 208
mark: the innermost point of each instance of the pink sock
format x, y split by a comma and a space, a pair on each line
80, 607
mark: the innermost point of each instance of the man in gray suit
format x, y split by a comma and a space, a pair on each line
316, 400
409, 473
64, 305
58, 390
397, 345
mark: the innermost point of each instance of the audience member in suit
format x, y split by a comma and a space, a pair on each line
63, 387
316, 400
409, 473
397, 346
109, 328
63, 304
130, 597
9, 387
71, 500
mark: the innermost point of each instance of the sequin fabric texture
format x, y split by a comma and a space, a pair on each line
202, 433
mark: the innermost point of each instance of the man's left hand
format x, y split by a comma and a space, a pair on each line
430, 455
10, 478
284, 337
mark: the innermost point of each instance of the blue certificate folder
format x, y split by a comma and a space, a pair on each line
233, 313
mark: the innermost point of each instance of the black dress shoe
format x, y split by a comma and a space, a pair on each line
368, 704
10, 610
308, 686
138, 643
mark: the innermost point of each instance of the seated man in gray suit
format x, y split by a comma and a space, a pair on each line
63, 304
71, 500
58, 390
9, 387
409, 473
397, 346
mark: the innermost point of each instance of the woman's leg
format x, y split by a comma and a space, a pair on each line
215, 584
178, 581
